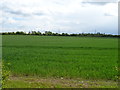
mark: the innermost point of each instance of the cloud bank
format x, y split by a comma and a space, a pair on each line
70, 16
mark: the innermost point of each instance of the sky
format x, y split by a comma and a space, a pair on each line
60, 16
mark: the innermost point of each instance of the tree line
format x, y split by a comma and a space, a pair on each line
49, 33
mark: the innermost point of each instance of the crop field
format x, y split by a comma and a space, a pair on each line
60, 56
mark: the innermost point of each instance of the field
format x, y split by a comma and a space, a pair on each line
61, 57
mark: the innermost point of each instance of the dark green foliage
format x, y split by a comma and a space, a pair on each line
19, 33
49, 33
5, 73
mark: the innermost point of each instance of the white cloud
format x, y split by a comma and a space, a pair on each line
112, 9
113, 1
70, 16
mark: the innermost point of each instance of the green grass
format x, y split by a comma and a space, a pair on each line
36, 82
57, 56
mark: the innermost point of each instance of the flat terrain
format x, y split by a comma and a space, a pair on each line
37, 82
61, 57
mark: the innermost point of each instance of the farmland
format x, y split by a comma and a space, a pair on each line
61, 57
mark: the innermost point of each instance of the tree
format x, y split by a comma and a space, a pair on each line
20, 33
48, 33
64, 34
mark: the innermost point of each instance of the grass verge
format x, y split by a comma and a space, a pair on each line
37, 82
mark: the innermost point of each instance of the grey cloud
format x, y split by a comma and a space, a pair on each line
107, 14
96, 3
59, 3
11, 11
39, 13
99, 2
19, 12
108, 1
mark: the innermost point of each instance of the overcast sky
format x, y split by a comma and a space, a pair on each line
68, 16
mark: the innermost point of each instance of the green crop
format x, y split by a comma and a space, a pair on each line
59, 56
